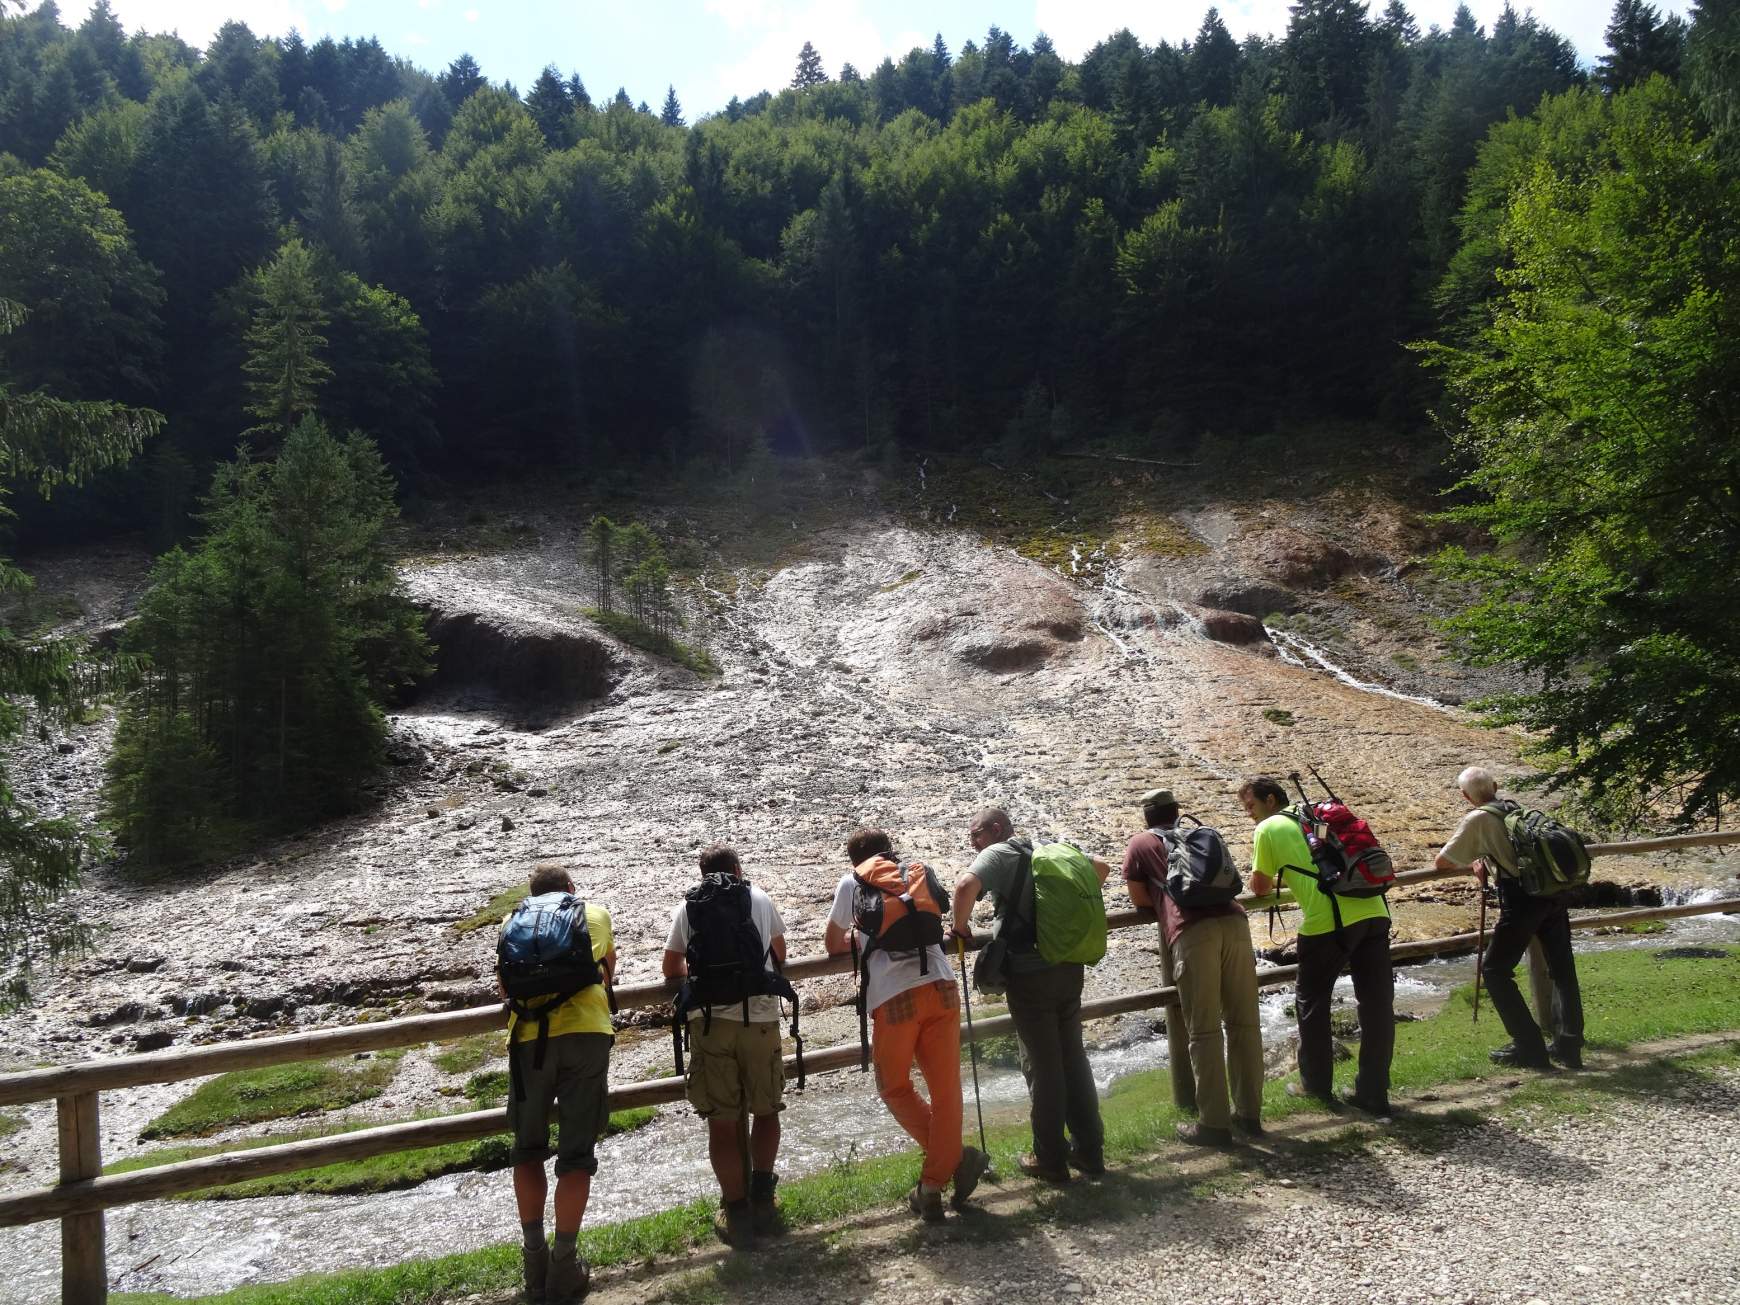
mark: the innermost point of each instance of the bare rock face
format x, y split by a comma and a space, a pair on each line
1253, 598
1233, 627
1300, 560
520, 657
1009, 629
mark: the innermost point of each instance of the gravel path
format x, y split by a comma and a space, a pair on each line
1630, 1203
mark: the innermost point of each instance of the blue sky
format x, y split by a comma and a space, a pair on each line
714, 49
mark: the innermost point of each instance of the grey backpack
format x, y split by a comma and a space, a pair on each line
1199, 870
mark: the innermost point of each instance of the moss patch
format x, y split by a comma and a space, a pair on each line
251, 1096
492, 912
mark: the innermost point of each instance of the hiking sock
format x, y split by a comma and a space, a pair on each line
533, 1234
564, 1248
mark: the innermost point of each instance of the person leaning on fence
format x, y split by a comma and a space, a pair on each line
1044, 1003
1481, 845
736, 1064
1351, 934
1216, 972
561, 1064
911, 998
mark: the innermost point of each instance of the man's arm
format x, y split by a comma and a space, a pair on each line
1101, 868
777, 947
967, 890
1261, 884
676, 964
835, 940
610, 964
1139, 893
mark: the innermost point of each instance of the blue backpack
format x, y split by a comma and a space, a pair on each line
545, 951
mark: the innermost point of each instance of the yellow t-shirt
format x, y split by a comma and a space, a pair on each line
588, 1011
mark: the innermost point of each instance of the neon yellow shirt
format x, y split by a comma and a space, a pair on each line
588, 1011
1279, 850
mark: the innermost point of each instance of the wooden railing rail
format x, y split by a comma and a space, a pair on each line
82, 1194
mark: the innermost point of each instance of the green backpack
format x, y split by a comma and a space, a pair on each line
1069, 904
1550, 857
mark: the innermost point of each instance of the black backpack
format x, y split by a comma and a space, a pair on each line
1199, 870
727, 961
545, 950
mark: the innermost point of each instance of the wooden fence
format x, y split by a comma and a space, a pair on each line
83, 1192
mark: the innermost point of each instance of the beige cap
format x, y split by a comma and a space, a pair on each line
1158, 797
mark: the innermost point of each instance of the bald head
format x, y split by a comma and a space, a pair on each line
991, 825
1478, 785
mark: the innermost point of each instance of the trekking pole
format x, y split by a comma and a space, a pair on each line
972, 1048
1480, 955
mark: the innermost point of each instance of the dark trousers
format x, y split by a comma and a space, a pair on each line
1363, 950
1521, 919
1046, 1008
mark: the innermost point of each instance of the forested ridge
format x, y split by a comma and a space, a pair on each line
936, 251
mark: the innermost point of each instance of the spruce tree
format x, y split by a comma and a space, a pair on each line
672, 113
551, 107
1640, 43
809, 68
285, 365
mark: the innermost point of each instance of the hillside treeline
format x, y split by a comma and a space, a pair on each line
949, 249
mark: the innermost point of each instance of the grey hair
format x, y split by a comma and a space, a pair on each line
1479, 783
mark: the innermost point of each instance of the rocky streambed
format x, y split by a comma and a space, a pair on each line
897, 676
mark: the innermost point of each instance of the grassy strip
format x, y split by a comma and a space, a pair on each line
10, 1124
381, 1173
1629, 997
252, 1096
639, 634
490, 915
469, 1053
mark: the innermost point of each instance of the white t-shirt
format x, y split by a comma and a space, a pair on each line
891, 973
762, 1010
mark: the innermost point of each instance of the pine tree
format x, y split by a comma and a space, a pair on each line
601, 554
809, 68
672, 114
551, 107
461, 81
1213, 62
1399, 23
577, 95
285, 364
1640, 43
46, 442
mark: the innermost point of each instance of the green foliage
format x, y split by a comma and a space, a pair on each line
630, 561
286, 363
251, 1096
1594, 410
47, 442
271, 645
640, 635
493, 912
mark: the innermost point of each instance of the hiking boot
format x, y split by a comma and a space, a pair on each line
1194, 1134
1300, 1092
926, 1203
1567, 1057
764, 1209
974, 1165
1029, 1165
735, 1225
1510, 1056
1249, 1127
1089, 1166
537, 1273
1378, 1110
570, 1277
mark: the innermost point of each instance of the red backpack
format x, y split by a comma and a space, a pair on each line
1347, 859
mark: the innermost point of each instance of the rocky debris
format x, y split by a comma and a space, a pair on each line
1234, 627
143, 964
155, 1040
1017, 625
507, 824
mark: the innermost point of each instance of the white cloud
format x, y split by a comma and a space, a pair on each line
471, 15
416, 39
198, 20
841, 31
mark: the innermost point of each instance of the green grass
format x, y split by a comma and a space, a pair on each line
641, 635
493, 912
1629, 996
469, 1053
381, 1173
10, 1124
1278, 716
251, 1096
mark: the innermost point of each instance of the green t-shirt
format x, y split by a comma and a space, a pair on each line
1005, 871
1279, 850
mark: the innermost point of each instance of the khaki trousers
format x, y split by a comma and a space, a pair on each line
1217, 985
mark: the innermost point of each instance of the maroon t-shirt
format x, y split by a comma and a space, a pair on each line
1145, 861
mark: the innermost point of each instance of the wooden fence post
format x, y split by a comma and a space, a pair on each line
1177, 1036
84, 1273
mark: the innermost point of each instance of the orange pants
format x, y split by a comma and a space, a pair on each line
923, 1024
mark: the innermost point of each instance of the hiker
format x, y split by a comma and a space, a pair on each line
889, 915
736, 1074
1349, 933
1482, 845
1044, 1001
556, 960
1215, 967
